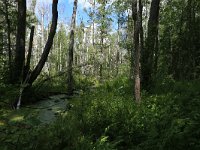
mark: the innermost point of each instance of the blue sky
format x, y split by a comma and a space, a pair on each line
65, 8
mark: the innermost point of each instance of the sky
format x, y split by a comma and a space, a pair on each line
65, 8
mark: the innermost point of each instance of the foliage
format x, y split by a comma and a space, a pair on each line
102, 114
108, 118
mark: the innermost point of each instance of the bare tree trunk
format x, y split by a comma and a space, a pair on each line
70, 52
28, 60
148, 54
141, 27
101, 51
155, 65
137, 44
20, 41
118, 42
9, 40
48, 45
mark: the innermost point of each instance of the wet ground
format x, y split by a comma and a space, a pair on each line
43, 112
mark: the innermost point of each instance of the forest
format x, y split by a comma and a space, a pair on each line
100, 75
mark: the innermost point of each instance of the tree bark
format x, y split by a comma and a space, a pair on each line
28, 60
117, 52
155, 63
20, 41
70, 52
137, 45
149, 51
141, 27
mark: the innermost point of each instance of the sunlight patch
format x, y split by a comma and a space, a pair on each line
2, 123
17, 118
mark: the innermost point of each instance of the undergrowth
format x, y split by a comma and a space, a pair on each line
106, 117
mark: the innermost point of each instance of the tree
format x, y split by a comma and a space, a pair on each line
136, 14
92, 17
30, 77
8, 20
43, 11
48, 45
28, 60
149, 51
63, 44
179, 42
20, 42
120, 8
103, 23
70, 52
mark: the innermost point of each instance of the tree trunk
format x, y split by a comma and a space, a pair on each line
28, 60
155, 65
118, 42
101, 61
137, 45
48, 45
141, 27
20, 41
149, 51
70, 52
32, 76
93, 32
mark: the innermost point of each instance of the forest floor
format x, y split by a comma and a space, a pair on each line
106, 117
42, 112
28, 117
